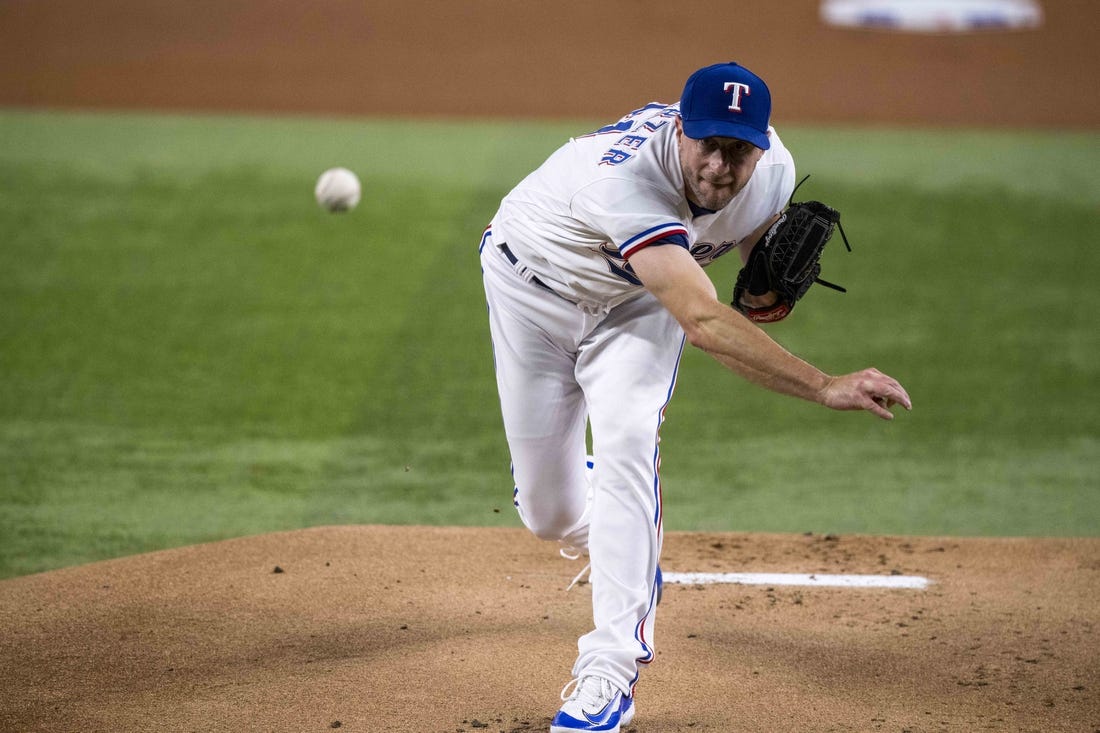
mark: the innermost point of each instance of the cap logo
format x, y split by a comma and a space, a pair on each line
726, 100
738, 89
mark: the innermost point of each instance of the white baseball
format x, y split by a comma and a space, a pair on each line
337, 190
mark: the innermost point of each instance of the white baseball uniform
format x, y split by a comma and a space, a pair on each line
579, 344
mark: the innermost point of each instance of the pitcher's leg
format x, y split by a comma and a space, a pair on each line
628, 379
542, 405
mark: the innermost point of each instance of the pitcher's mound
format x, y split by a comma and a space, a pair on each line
452, 630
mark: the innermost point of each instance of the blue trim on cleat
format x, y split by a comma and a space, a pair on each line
573, 718
618, 712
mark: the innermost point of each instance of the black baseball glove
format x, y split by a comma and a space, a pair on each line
786, 260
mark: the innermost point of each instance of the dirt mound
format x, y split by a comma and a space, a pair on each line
459, 629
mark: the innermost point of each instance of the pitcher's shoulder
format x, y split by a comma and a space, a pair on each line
777, 154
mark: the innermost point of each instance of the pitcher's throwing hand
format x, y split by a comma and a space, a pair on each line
869, 390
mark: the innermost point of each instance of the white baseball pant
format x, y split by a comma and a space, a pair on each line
558, 369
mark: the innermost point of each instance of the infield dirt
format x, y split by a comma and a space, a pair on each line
453, 630
439, 630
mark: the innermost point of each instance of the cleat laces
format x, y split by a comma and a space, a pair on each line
593, 693
580, 575
572, 552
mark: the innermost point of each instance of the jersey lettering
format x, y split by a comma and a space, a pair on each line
614, 157
707, 252
632, 141
651, 126
617, 264
627, 122
621, 126
635, 140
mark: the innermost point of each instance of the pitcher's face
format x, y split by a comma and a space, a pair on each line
715, 168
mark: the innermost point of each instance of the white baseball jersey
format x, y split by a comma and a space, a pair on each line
575, 221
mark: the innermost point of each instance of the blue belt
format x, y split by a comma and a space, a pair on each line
515, 261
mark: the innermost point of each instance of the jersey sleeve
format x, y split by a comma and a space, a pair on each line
631, 215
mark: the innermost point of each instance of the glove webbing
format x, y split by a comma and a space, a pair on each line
843, 236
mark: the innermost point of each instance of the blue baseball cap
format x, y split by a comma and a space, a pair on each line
727, 100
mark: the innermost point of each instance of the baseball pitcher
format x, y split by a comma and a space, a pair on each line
593, 272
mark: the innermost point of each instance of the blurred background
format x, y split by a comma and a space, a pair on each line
563, 59
190, 349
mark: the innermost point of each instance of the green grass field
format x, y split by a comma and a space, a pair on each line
191, 350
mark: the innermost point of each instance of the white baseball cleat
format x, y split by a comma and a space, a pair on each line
594, 705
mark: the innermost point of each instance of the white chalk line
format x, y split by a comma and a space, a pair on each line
914, 582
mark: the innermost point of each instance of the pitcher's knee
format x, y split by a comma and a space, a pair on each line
548, 521
552, 501
550, 528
